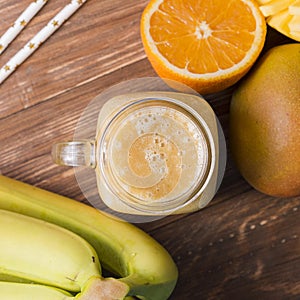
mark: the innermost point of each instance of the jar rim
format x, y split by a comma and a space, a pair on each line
157, 206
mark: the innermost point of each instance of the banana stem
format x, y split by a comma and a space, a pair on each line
103, 289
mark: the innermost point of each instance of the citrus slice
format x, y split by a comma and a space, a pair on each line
207, 45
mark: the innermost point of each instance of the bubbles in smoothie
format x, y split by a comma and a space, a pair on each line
162, 153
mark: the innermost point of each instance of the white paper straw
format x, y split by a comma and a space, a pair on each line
39, 38
20, 23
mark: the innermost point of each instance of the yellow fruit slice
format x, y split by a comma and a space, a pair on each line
294, 24
207, 45
294, 8
281, 22
283, 15
274, 7
295, 35
262, 2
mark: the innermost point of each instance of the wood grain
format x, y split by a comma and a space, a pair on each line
243, 245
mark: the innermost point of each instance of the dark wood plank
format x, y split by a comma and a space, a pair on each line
243, 245
242, 248
97, 40
35, 129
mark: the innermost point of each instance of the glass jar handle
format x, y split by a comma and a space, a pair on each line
75, 153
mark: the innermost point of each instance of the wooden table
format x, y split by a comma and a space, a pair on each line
244, 245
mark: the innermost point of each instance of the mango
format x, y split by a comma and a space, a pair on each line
264, 131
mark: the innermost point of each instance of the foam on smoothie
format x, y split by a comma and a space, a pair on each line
158, 153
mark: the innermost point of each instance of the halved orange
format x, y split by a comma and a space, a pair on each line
207, 45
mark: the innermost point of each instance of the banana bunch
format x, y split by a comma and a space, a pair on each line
63, 242
32, 250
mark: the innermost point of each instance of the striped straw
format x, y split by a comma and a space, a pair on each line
26, 16
39, 38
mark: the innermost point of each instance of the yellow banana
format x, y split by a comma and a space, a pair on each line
32, 250
35, 250
24, 291
142, 263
